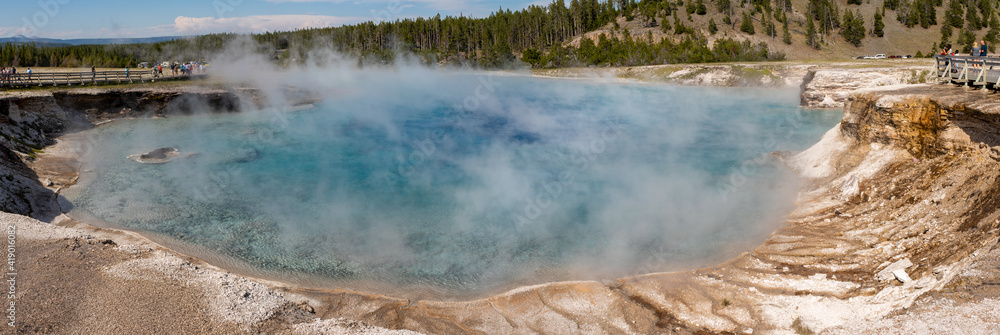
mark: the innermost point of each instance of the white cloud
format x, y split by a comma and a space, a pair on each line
443, 5
11, 31
258, 23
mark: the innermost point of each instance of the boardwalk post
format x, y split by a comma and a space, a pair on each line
947, 71
969, 71
981, 77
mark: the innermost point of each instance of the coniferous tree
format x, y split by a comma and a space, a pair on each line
747, 25
811, 38
994, 32
965, 39
826, 13
878, 27
953, 16
723, 6
712, 28
701, 9
786, 37
946, 31
972, 17
927, 11
853, 28
986, 12
532, 57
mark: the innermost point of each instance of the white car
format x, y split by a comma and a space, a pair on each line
880, 56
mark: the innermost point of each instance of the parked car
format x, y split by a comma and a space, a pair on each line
880, 56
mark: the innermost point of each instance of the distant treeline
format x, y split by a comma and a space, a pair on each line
113, 55
535, 35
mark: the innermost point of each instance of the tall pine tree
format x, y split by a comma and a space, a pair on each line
811, 35
878, 27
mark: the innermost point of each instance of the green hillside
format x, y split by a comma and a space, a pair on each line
594, 33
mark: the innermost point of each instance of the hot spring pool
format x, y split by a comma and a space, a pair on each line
461, 183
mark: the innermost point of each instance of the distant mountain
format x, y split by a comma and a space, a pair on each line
83, 41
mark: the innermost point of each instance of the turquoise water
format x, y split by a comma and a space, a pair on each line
432, 184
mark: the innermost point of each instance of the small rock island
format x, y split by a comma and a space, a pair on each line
158, 156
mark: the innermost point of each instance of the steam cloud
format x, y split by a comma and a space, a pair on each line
459, 179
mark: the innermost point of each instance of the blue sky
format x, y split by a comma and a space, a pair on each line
121, 18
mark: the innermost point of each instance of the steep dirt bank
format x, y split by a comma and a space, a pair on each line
29, 121
903, 202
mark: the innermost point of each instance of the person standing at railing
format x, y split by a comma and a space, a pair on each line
982, 52
93, 74
126, 72
975, 53
29, 73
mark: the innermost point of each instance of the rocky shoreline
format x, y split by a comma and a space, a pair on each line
910, 176
821, 85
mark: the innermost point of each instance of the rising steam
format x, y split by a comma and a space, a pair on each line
459, 179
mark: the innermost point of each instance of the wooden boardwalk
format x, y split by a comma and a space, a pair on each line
983, 72
23, 80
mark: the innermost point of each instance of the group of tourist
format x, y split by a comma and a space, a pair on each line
9, 75
979, 49
179, 69
184, 69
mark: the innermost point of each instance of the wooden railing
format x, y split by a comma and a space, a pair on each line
81, 78
968, 70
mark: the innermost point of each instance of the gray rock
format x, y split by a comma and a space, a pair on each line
901, 276
888, 273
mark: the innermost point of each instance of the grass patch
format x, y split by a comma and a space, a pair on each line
919, 78
666, 70
750, 72
26, 144
694, 73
